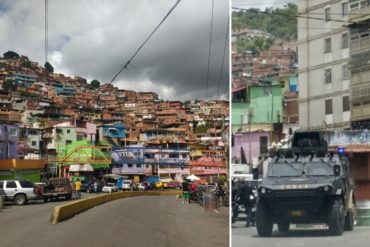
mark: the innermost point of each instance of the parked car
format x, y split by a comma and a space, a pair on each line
173, 185
142, 186
19, 191
109, 188
126, 185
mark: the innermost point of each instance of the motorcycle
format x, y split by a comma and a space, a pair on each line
239, 207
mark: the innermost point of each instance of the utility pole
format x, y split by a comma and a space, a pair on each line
250, 114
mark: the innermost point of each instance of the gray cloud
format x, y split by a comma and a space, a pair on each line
94, 38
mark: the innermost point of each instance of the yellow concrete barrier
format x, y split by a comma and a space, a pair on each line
69, 210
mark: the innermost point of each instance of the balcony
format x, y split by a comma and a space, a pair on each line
360, 43
360, 77
358, 9
203, 171
132, 170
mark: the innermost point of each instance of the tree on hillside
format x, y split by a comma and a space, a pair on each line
279, 22
9, 85
95, 83
26, 64
48, 67
11, 55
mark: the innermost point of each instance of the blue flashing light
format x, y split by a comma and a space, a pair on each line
341, 151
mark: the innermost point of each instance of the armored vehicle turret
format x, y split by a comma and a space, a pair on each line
306, 184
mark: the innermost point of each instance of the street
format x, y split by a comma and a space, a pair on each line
140, 221
316, 236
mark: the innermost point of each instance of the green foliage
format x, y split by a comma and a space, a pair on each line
9, 85
254, 44
26, 64
95, 83
201, 129
280, 22
11, 55
2, 65
48, 67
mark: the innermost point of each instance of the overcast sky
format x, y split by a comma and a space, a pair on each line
93, 38
261, 4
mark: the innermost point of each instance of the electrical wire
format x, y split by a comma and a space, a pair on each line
145, 41
223, 57
209, 50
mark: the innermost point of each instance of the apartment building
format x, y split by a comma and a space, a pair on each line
359, 15
324, 74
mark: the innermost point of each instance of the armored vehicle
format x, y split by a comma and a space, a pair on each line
306, 185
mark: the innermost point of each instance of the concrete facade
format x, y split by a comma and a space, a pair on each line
323, 48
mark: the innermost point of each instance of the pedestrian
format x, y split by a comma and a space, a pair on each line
185, 191
96, 187
78, 188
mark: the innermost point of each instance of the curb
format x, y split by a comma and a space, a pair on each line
69, 210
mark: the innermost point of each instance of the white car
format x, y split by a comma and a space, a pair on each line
126, 185
109, 188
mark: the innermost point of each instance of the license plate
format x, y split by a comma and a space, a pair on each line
296, 213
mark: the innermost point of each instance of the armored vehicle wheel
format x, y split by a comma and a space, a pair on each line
263, 220
20, 199
350, 221
336, 218
283, 226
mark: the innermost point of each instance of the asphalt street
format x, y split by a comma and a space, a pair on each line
302, 236
138, 221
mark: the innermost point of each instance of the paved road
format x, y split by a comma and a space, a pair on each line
139, 221
298, 237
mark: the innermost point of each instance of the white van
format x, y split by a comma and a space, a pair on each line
126, 185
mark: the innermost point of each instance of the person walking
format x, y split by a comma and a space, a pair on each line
185, 191
78, 188
96, 187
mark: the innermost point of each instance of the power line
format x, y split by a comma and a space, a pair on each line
145, 41
223, 57
209, 50
294, 16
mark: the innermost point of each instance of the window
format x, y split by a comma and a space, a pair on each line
346, 72
327, 14
33, 143
356, 97
68, 142
327, 47
68, 131
328, 75
129, 165
11, 184
345, 103
263, 145
344, 9
27, 184
328, 106
345, 40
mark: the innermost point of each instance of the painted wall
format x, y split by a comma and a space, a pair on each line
242, 141
264, 103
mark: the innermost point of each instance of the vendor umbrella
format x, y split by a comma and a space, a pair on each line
192, 177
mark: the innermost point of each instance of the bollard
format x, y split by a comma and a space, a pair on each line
1, 202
